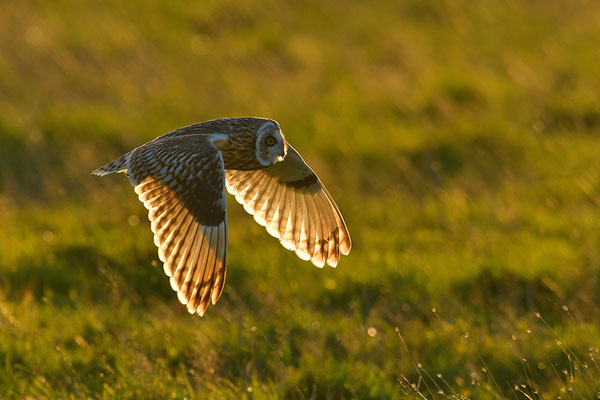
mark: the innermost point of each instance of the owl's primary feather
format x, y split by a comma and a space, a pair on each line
181, 179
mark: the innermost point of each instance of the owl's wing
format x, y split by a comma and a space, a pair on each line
292, 203
180, 180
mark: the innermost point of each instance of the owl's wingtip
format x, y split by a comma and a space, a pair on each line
346, 247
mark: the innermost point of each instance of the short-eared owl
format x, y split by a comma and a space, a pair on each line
181, 179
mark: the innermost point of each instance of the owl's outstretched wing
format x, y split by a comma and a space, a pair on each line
292, 203
181, 182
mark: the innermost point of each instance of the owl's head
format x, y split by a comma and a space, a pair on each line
271, 147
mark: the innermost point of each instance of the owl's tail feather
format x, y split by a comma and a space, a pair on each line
121, 164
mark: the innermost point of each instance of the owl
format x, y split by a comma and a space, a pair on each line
181, 178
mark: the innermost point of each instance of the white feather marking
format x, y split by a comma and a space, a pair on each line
218, 139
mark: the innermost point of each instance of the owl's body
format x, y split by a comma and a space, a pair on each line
181, 178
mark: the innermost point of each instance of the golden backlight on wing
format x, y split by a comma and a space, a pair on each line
181, 177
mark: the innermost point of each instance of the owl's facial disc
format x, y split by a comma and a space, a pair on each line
270, 144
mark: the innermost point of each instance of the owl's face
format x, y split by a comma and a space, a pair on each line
270, 144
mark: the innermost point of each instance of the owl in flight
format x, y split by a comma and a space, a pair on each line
181, 179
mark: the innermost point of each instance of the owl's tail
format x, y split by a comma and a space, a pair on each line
121, 164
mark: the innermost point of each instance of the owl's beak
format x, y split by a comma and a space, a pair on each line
281, 157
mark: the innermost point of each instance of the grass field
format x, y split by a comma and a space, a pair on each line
460, 139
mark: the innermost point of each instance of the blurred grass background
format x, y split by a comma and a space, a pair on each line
459, 138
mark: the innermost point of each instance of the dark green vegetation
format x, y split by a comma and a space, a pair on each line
460, 139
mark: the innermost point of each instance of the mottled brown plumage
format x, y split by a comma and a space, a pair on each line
181, 179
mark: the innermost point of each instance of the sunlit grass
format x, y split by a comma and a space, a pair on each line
458, 138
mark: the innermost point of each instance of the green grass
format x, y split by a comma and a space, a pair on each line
459, 138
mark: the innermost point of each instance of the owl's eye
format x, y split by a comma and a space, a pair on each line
271, 141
